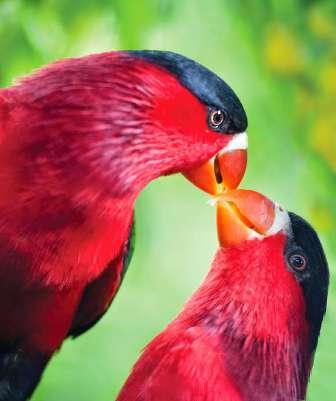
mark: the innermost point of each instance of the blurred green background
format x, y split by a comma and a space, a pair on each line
280, 56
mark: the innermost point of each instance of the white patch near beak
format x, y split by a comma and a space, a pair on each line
281, 221
238, 142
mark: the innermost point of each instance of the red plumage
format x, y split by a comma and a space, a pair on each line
242, 336
79, 140
71, 166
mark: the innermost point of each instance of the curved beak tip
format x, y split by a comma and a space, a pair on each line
243, 214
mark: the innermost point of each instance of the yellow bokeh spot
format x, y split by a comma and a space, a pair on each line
321, 24
323, 138
328, 78
283, 52
322, 218
305, 102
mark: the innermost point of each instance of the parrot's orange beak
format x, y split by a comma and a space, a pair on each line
223, 171
243, 215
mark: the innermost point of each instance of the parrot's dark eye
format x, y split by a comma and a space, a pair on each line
297, 261
217, 117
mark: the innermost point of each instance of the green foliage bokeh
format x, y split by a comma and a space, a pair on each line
280, 57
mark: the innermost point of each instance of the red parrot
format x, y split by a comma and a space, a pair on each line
250, 331
79, 140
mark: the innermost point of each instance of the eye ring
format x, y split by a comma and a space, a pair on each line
217, 117
297, 261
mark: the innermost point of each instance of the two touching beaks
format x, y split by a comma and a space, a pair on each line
241, 214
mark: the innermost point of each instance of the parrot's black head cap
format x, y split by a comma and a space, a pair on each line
315, 279
204, 84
